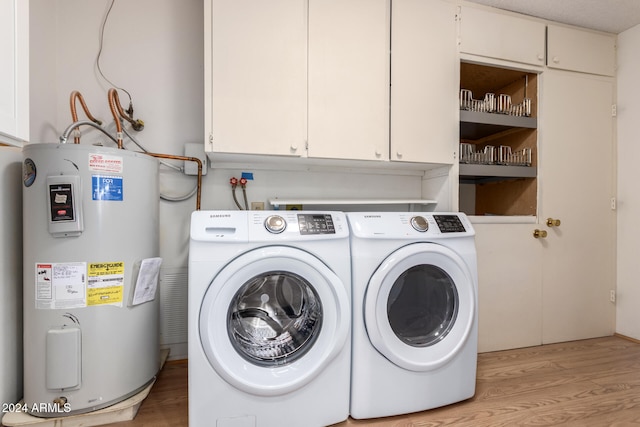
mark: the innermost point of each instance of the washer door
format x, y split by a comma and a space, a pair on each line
419, 306
273, 319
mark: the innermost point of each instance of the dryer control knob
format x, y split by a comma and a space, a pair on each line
419, 223
275, 224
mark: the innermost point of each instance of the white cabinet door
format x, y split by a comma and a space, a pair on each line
349, 79
502, 36
581, 50
510, 286
256, 76
14, 72
424, 81
576, 158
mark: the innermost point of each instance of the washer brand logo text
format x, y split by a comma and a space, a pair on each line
220, 216
373, 216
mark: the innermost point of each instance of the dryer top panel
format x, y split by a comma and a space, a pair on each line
398, 225
268, 226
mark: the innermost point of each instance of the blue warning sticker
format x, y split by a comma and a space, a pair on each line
106, 187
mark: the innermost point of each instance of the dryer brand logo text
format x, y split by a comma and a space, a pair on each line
220, 216
373, 216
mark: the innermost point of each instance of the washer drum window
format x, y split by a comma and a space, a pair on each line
274, 318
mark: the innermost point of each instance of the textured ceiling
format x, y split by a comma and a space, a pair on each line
612, 16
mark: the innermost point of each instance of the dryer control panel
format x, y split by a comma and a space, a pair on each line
409, 225
449, 223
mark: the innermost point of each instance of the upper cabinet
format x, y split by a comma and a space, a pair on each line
14, 73
581, 50
424, 81
502, 36
332, 79
256, 76
349, 79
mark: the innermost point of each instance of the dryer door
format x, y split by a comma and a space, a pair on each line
272, 319
420, 306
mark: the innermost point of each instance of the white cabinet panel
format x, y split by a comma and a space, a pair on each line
576, 157
502, 36
349, 79
256, 76
14, 73
581, 50
424, 81
510, 286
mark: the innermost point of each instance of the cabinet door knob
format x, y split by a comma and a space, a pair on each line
540, 57
294, 148
378, 153
556, 60
539, 234
399, 154
553, 222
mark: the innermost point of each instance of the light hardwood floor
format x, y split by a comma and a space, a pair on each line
580, 383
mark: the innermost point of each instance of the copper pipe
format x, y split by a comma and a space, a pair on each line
188, 159
112, 96
137, 125
77, 96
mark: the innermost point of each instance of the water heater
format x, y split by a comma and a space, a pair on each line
91, 266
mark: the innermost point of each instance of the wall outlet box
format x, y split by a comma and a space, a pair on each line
194, 149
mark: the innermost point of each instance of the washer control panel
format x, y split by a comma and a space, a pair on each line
316, 224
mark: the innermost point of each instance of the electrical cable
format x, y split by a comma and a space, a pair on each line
101, 42
169, 165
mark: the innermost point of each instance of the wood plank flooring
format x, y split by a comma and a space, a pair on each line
581, 383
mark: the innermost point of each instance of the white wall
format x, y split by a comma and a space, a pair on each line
628, 251
154, 49
10, 275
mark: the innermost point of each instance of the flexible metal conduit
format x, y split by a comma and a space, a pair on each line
65, 136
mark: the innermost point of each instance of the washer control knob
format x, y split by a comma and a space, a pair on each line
419, 223
275, 224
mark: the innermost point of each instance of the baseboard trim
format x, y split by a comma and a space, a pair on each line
624, 337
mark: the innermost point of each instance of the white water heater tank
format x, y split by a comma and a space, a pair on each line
91, 271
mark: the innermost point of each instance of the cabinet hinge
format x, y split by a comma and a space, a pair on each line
614, 110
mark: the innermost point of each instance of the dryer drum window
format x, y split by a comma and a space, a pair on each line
274, 318
423, 305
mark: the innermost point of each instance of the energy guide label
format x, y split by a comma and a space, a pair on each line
105, 283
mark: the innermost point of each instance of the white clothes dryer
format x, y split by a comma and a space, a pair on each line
414, 326
269, 318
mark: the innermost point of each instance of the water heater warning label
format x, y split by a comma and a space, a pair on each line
105, 163
61, 285
106, 188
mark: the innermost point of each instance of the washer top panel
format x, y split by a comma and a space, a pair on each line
256, 226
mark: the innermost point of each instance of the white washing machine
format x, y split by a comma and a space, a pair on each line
414, 290
269, 318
